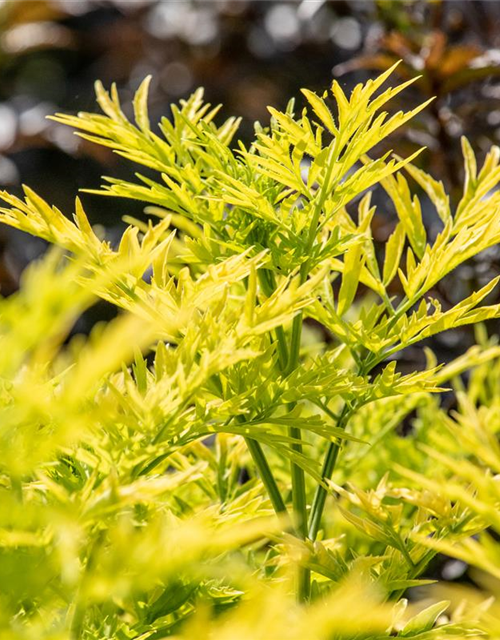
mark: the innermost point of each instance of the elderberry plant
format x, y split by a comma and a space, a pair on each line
223, 460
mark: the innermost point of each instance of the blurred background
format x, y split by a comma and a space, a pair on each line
247, 54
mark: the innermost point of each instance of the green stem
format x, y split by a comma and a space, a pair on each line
254, 447
298, 486
288, 362
330, 461
319, 499
299, 498
298, 478
268, 283
318, 504
263, 468
299, 501
282, 348
266, 475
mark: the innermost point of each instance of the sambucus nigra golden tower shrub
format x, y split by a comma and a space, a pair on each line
250, 482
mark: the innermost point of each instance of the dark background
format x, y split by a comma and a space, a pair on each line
247, 54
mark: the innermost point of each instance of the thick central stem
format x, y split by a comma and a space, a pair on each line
299, 497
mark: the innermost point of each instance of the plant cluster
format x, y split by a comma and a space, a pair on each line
225, 458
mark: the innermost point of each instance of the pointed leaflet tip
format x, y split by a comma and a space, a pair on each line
141, 105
